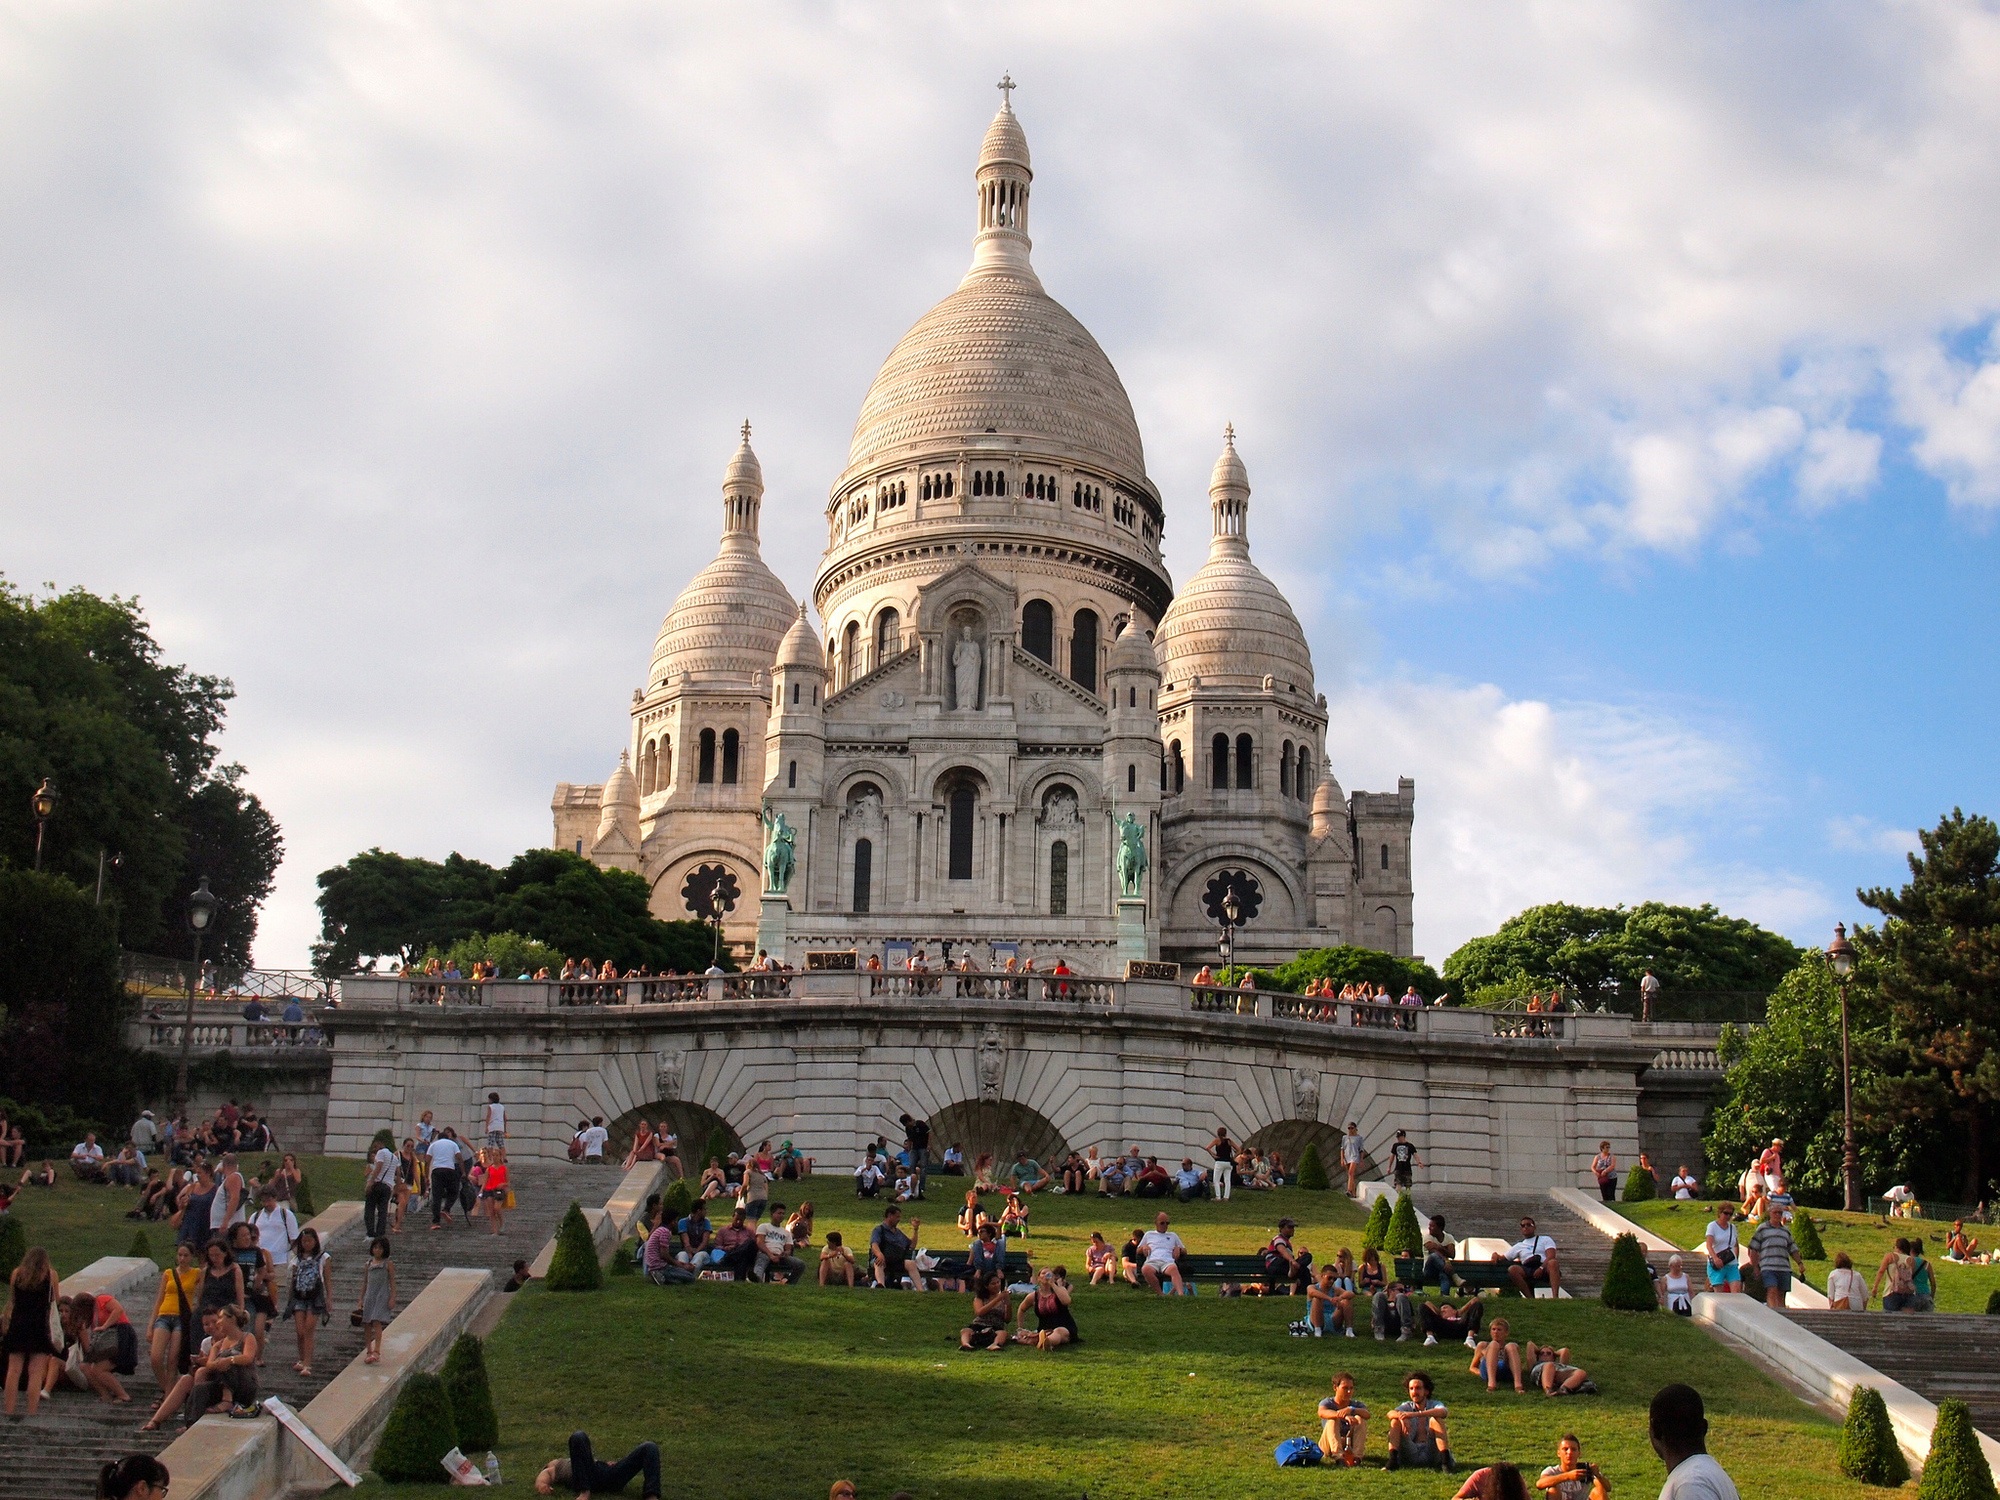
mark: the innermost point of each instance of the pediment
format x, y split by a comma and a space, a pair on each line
1042, 695
968, 584
885, 693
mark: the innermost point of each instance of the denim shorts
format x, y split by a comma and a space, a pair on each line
1777, 1279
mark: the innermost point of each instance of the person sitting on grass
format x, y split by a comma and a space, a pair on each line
1014, 1217
736, 1246
1962, 1247
583, 1474
1393, 1310
1441, 1320
990, 1305
1369, 1277
1055, 1325
1027, 1174
42, 1176
1570, 1478
1131, 1256
870, 1175
800, 1225
658, 1254
909, 1185
970, 1215
1287, 1265
1532, 1261
774, 1250
714, 1182
1190, 1182
836, 1261
890, 1249
87, 1159
1494, 1482
1343, 1423
1098, 1260
1417, 1435
1153, 1180
1164, 1250
1549, 1367
1498, 1358
696, 1237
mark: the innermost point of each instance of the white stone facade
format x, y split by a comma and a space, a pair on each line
1007, 673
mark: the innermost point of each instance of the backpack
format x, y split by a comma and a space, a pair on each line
1297, 1453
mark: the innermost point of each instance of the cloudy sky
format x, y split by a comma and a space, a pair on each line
1619, 385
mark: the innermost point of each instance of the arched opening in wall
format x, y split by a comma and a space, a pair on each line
1038, 630
961, 802
1059, 878
1285, 770
864, 874
666, 761
1180, 769
1292, 1137
1218, 771
1132, 778
694, 1124
646, 764
998, 1127
792, 774
706, 774
1385, 928
1083, 651
1246, 765
850, 653
888, 634
1385, 856
732, 752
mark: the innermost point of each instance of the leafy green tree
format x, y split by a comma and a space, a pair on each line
1955, 1468
1869, 1451
88, 700
1805, 1233
1312, 1171
1590, 949
1936, 968
1627, 1287
511, 955
1348, 964
1376, 1230
383, 903
1784, 1081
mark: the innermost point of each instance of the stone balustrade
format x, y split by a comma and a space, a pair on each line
213, 1034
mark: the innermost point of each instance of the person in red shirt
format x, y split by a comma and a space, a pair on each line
110, 1344
493, 1186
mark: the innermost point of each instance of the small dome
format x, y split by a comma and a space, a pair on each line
731, 619
1133, 652
1006, 142
1229, 476
801, 650
744, 472
621, 787
1326, 798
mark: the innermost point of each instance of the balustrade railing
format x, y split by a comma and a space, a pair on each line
1688, 1059
237, 1035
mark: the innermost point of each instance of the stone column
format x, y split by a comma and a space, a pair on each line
1133, 943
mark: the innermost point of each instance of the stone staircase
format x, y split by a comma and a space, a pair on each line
1937, 1355
57, 1456
1583, 1251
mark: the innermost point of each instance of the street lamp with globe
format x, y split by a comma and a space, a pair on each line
1232, 918
1840, 957
44, 804
202, 907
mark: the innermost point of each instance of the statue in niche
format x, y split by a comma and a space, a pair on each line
1059, 810
1131, 854
865, 805
992, 1063
668, 1070
1305, 1095
966, 658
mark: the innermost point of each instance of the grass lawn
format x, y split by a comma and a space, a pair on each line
775, 1392
1960, 1289
77, 1223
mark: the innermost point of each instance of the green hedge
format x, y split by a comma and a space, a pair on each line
1312, 1171
1627, 1286
1868, 1447
420, 1433
471, 1395
1805, 1234
1955, 1468
573, 1267
1639, 1185
13, 1244
1405, 1236
1377, 1228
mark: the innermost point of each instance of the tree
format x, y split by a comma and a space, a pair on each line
421, 1431
1639, 1185
1590, 950
1376, 1230
1784, 1081
1869, 1451
1312, 1171
1805, 1233
380, 903
1348, 964
1404, 1237
1955, 1468
471, 1394
1628, 1286
88, 700
573, 1266
1936, 963
511, 955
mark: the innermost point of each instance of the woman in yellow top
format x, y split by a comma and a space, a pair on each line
173, 1314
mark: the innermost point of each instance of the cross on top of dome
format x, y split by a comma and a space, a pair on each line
1006, 85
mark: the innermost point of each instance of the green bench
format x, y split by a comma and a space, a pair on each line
1480, 1274
1222, 1267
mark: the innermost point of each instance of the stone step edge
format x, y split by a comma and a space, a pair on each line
221, 1458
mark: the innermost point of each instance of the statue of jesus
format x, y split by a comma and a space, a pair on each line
965, 670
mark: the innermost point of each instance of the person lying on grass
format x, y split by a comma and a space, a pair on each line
1549, 1368
1343, 1423
990, 1306
1050, 1302
1417, 1435
1570, 1478
583, 1474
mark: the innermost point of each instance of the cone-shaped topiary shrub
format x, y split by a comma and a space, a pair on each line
1377, 1228
420, 1433
302, 1201
677, 1202
1955, 1469
1805, 1234
717, 1149
574, 1267
471, 1396
1639, 1185
1868, 1449
141, 1248
1993, 1303
13, 1244
1312, 1171
1404, 1237
1627, 1285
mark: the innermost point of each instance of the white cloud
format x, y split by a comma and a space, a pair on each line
1838, 464
1864, 835
1954, 405
1521, 802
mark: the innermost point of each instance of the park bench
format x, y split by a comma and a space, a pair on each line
1467, 1273
1222, 1267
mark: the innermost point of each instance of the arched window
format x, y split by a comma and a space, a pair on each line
1132, 777
1083, 651
1245, 765
1302, 783
1163, 775
795, 692
646, 764
731, 749
864, 871
707, 772
850, 653
963, 800
1218, 773
1385, 856
1285, 770
1059, 878
666, 762
888, 634
1038, 630
1180, 769
792, 774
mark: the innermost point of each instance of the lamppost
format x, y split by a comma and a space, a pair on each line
1232, 918
44, 804
201, 914
1840, 954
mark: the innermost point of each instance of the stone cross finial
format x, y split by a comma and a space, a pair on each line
1006, 85
1228, 434
746, 431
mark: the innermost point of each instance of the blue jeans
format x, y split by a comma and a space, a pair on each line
587, 1474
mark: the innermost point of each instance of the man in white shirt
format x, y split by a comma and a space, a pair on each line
870, 1175
1684, 1184
88, 1158
1531, 1261
774, 1249
145, 1134
1649, 995
276, 1225
444, 1177
594, 1137
1163, 1251
493, 1120
1678, 1426
379, 1189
